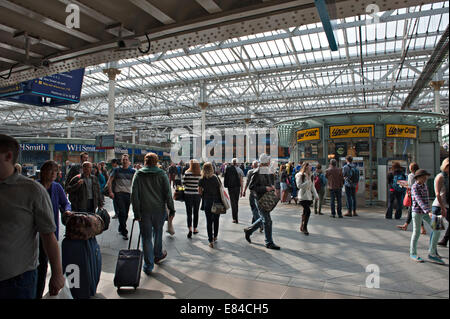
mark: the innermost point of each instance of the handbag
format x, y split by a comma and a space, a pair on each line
268, 201
224, 196
218, 208
407, 199
179, 194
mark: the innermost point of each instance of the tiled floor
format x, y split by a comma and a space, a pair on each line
329, 263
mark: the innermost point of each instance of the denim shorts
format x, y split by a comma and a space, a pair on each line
283, 186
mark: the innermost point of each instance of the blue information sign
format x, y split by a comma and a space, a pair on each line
52, 90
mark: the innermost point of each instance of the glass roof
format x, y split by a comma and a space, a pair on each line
266, 77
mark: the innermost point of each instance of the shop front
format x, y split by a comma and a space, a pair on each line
374, 139
35, 151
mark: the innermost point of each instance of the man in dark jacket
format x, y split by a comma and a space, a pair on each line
150, 193
234, 182
261, 182
84, 191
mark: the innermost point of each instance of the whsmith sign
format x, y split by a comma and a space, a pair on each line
349, 131
34, 147
396, 130
76, 148
308, 135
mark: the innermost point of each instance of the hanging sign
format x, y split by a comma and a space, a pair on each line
349, 131
308, 135
396, 130
51, 90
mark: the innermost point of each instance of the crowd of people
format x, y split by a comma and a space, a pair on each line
31, 207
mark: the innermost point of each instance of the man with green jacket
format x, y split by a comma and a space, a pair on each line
150, 195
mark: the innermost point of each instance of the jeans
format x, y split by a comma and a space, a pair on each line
265, 220
395, 196
254, 208
212, 220
235, 193
350, 193
151, 227
22, 286
319, 202
123, 201
336, 194
434, 237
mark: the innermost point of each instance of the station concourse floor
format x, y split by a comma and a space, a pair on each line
329, 263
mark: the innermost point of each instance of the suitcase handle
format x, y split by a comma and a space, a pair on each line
131, 236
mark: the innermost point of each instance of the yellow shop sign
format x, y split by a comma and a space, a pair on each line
308, 135
396, 130
348, 131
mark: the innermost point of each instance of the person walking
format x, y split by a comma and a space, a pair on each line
284, 181
192, 198
335, 180
294, 189
84, 191
59, 201
172, 174
320, 183
150, 194
252, 197
422, 211
209, 189
114, 164
262, 181
76, 168
441, 203
396, 190
101, 178
234, 182
26, 210
351, 179
413, 167
122, 177
307, 193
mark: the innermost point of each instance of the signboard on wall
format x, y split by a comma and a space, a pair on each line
397, 130
76, 148
349, 131
33, 147
308, 135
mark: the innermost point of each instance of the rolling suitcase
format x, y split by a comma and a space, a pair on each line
129, 265
86, 256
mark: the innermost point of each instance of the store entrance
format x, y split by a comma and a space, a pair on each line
363, 151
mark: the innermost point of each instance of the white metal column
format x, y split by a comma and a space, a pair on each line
112, 73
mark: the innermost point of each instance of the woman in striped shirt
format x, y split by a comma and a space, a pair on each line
191, 196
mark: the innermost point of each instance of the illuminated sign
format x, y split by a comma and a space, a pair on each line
308, 135
349, 131
407, 131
